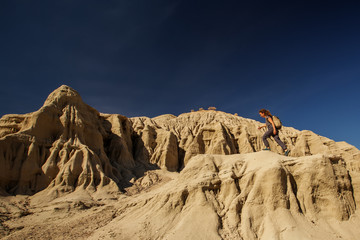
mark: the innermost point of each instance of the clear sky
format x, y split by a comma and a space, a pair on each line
299, 59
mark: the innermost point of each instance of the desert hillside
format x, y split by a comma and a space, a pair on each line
70, 172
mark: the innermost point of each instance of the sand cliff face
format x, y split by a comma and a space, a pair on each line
59, 147
249, 196
201, 175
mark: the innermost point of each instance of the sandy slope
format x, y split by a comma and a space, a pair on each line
243, 196
70, 172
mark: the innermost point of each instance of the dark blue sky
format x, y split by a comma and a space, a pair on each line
300, 59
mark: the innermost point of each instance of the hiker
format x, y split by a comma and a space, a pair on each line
272, 131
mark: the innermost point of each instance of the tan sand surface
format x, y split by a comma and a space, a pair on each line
70, 172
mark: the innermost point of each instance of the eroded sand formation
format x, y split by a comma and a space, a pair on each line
200, 175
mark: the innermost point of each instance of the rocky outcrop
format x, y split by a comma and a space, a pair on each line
243, 196
60, 146
67, 144
215, 132
221, 185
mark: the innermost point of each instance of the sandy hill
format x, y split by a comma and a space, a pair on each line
70, 172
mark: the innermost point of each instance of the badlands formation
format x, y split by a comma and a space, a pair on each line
70, 172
